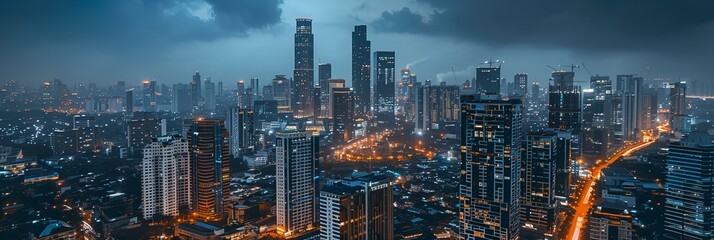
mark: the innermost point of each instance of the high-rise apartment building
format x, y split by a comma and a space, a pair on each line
241, 129
689, 188
297, 168
357, 207
630, 88
165, 177
490, 168
538, 179
149, 95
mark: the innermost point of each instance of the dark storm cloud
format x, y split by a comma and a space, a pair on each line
128, 24
595, 25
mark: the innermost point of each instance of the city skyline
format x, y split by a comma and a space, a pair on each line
455, 121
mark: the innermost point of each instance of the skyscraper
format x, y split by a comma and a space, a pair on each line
297, 159
520, 85
490, 168
210, 168
331, 85
443, 110
196, 87
488, 79
210, 95
303, 75
564, 109
165, 177
343, 115
630, 87
678, 98
357, 207
689, 189
241, 130
384, 86
149, 95
538, 185
361, 70
129, 101
183, 98
597, 116
324, 72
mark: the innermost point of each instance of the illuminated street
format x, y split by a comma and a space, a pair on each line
584, 204
384, 145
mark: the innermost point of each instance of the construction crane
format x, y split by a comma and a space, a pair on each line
560, 69
586, 69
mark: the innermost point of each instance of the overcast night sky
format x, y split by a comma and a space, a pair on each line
167, 40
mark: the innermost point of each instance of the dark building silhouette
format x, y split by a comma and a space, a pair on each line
343, 115
384, 89
196, 89
361, 70
488, 80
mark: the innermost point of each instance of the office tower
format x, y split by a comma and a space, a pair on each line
303, 75
332, 84
689, 189
422, 108
610, 220
384, 86
630, 87
443, 106
183, 98
149, 100
240, 93
255, 85
597, 116
141, 131
520, 85
402, 94
488, 79
220, 88
129, 101
210, 168
564, 109
410, 104
297, 159
281, 91
241, 131
196, 87
342, 115
490, 168
649, 107
361, 70
538, 174
165, 177
324, 72
536, 114
357, 207
678, 98
210, 95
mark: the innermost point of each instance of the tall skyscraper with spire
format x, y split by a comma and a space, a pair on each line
361, 48
303, 75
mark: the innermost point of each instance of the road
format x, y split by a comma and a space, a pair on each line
584, 204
